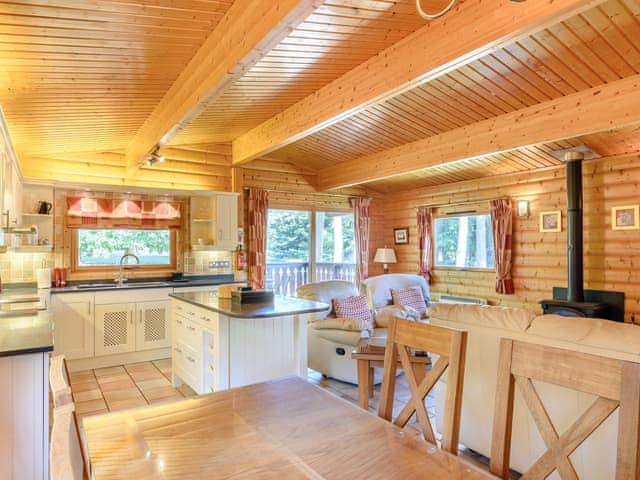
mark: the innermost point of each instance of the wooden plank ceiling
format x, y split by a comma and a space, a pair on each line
597, 47
80, 77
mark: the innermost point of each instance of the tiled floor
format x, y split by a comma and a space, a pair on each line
118, 388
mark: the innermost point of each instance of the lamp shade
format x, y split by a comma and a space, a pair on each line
385, 255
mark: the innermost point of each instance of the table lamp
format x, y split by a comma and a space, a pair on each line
385, 255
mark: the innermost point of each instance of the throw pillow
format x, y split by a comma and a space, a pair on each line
410, 296
355, 307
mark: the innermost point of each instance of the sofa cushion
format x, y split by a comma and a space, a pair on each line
338, 323
346, 337
325, 292
384, 315
354, 307
592, 332
410, 296
507, 318
378, 288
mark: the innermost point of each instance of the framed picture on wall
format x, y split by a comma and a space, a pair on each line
551, 221
625, 218
401, 235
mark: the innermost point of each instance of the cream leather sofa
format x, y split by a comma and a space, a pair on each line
595, 459
330, 344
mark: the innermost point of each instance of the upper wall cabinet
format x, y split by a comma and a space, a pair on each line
214, 222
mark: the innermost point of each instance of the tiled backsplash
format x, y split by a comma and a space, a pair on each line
198, 262
21, 267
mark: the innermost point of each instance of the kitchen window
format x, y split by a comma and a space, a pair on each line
100, 248
464, 241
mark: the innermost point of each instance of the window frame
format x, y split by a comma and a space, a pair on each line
435, 246
113, 269
312, 233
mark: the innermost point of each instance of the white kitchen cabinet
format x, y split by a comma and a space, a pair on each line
153, 327
115, 330
214, 222
227, 221
24, 417
73, 325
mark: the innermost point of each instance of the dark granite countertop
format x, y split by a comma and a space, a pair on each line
188, 281
281, 306
24, 334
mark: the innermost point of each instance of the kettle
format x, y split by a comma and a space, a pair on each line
44, 208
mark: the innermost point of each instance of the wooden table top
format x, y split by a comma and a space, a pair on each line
284, 429
373, 348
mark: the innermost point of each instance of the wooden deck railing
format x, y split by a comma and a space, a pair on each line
284, 278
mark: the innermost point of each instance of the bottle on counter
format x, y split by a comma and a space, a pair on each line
239, 256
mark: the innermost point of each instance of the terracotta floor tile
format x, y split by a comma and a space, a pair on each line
126, 404
118, 395
90, 414
81, 377
117, 385
90, 406
83, 387
160, 392
165, 362
139, 367
140, 376
151, 384
102, 372
116, 377
186, 391
84, 396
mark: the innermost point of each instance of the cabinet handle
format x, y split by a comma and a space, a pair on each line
140, 316
193, 329
191, 313
206, 319
132, 314
191, 359
179, 322
178, 350
211, 388
211, 367
220, 234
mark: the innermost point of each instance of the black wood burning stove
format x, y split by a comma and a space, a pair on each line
571, 301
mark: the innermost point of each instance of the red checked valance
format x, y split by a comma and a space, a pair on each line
120, 212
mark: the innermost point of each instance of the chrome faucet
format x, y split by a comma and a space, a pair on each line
121, 279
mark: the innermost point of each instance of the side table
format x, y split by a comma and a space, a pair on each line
369, 354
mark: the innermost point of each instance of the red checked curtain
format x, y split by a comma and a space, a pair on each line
425, 241
502, 223
83, 212
257, 207
361, 216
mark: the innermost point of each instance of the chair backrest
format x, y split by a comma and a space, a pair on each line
451, 346
616, 383
59, 381
66, 455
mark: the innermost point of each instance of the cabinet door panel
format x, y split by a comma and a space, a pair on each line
115, 329
73, 328
226, 221
154, 328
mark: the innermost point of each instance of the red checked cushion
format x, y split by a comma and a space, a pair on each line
410, 296
355, 307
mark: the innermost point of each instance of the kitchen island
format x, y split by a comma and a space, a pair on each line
26, 338
218, 344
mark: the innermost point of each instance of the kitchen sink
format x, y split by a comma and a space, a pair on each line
94, 285
146, 284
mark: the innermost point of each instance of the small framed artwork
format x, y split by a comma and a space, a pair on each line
551, 221
625, 218
401, 235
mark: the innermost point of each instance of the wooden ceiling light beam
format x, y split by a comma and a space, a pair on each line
474, 29
606, 107
247, 32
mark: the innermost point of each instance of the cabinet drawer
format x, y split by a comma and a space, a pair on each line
207, 319
191, 334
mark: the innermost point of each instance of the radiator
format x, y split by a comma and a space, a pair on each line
458, 299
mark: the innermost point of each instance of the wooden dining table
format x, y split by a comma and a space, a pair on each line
283, 429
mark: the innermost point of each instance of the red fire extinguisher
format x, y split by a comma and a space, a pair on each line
240, 260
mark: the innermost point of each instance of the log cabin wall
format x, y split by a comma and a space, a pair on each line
611, 257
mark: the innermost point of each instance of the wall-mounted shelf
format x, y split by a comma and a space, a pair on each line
38, 215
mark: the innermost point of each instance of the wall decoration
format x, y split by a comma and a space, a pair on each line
551, 221
401, 235
625, 218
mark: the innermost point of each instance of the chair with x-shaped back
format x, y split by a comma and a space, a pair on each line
451, 346
616, 383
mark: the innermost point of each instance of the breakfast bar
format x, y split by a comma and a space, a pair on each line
218, 344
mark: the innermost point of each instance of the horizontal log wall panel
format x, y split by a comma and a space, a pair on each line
611, 257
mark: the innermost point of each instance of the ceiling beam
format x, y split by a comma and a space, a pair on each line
246, 33
610, 106
472, 30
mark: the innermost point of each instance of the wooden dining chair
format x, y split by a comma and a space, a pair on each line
616, 383
59, 381
66, 454
451, 346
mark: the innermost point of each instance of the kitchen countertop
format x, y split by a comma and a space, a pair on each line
280, 307
188, 281
25, 334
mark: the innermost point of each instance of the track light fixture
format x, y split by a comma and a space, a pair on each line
154, 157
